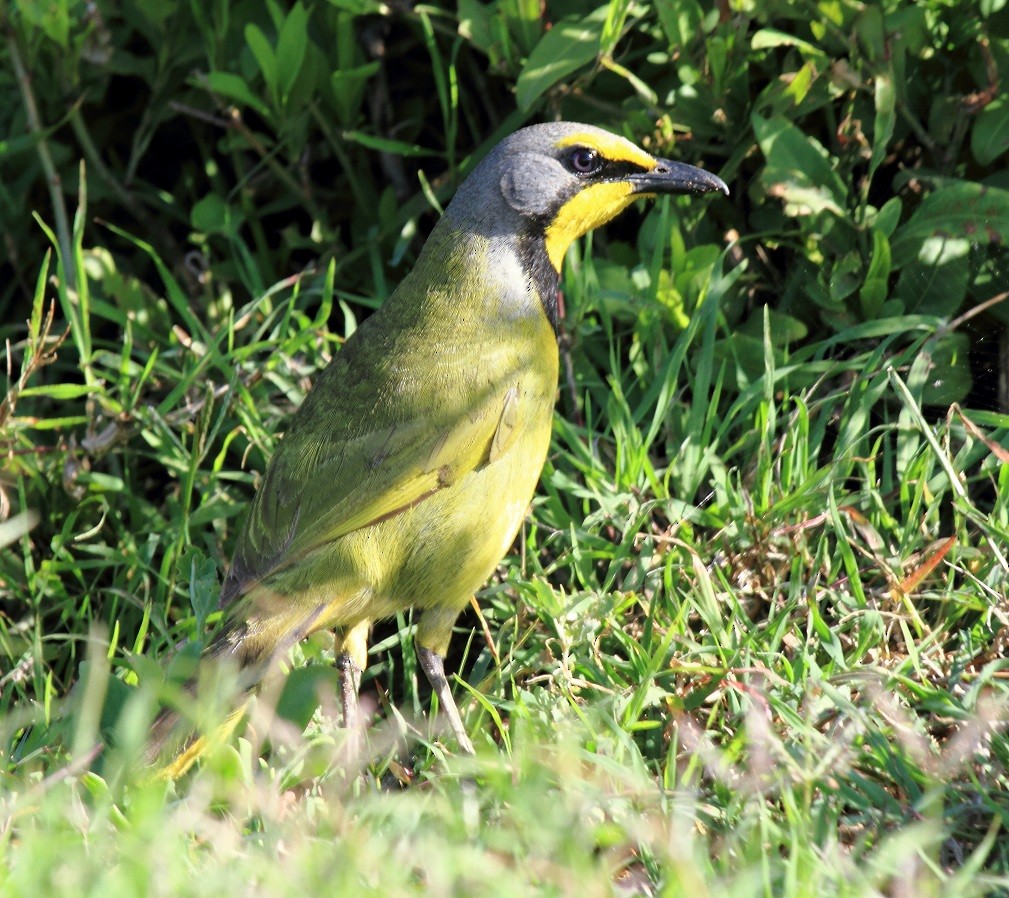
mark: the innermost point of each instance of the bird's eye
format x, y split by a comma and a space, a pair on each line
584, 161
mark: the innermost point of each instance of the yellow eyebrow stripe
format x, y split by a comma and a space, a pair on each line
614, 148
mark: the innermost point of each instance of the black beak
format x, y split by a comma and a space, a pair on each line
677, 177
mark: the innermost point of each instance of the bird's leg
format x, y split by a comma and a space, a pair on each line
434, 668
350, 684
434, 631
351, 648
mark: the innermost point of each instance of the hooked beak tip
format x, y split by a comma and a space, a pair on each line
678, 177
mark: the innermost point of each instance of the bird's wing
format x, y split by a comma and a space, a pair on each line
344, 466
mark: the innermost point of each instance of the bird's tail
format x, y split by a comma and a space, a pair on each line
250, 642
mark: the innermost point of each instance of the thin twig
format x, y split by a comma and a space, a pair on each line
977, 310
53, 182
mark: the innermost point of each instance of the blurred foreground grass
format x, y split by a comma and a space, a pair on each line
791, 684
752, 639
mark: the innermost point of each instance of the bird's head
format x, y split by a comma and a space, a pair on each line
558, 181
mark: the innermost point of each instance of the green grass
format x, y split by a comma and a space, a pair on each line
749, 644
751, 640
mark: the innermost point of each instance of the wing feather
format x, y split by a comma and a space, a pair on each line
354, 456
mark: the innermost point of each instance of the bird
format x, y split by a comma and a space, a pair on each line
405, 475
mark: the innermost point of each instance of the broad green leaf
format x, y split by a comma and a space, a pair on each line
798, 168
886, 118
348, 88
565, 48
267, 62
975, 212
887, 217
300, 695
846, 276
291, 46
234, 88
717, 50
476, 24
935, 283
743, 357
11, 145
869, 28
158, 13
693, 271
523, 19
204, 588
784, 329
212, 215
681, 22
949, 378
990, 137
800, 85
52, 18
912, 24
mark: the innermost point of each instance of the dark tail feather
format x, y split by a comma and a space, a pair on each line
250, 645
172, 741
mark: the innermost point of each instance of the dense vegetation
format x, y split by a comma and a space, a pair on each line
751, 640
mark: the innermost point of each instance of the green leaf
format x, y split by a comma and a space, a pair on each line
204, 588
386, 144
52, 18
300, 695
523, 19
845, 276
768, 38
800, 85
887, 217
11, 145
886, 118
975, 212
565, 48
784, 329
613, 27
681, 22
877, 278
212, 215
291, 46
59, 391
949, 378
234, 88
358, 7
936, 282
798, 169
869, 28
348, 88
476, 24
267, 62
990, 137
742, 356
